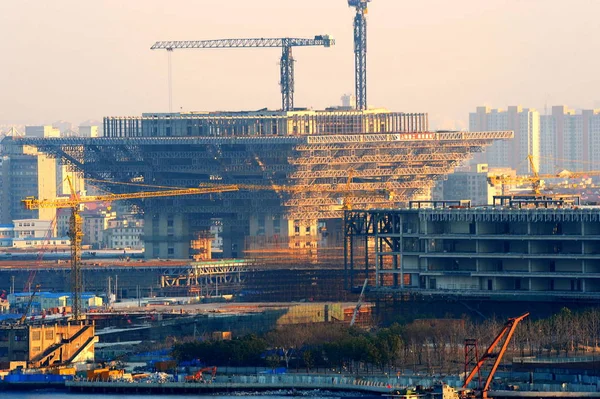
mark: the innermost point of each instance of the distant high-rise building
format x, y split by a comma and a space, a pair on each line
467, 185
65, 128
25, 173
525, 122
349, 101
89, 131
42, 131
570, 140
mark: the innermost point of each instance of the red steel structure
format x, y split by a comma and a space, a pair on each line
504, 336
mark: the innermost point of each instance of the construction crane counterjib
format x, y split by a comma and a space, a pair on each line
319, 40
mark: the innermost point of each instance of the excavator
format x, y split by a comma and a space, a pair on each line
199, 377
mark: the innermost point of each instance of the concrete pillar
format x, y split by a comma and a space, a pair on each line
234, 234
334, 232
166, 236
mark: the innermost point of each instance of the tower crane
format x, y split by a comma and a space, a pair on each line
74, 203
360, 51
287, 60
347, 199
535, 179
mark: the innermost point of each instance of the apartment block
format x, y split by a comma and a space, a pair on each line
94, 227
464, 185
124, 233
525, 122
570, 140
89, 131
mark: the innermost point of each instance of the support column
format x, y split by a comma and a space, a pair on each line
234, 234
166, 236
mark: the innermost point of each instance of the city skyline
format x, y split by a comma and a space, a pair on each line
447, 57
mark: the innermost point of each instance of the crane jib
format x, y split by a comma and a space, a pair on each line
319, 40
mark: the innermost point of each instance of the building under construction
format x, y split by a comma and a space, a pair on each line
29, 346
296, 171
528, 249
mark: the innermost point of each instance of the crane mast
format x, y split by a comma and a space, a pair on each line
287, 60
76, 232
360, 52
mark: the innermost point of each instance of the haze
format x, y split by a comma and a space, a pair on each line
77, 60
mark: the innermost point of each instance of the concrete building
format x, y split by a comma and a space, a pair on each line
33, 228
535, 248
45, 345
89, 131
94, 226
394, 156
7, 231
124, 233
525, 122
570, 140
52, 244
25, 173
32, 234
63, 217
45, 131
473, 186
216, 230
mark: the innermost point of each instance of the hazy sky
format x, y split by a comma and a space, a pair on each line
78, 60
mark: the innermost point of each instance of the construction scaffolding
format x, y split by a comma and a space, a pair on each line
296, 165
544, 251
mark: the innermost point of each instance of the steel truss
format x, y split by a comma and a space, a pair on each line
388, 168
206, 278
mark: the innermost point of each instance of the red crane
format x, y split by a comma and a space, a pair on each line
504, 336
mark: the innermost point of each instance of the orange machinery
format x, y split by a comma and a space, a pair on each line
504, 336
199, 377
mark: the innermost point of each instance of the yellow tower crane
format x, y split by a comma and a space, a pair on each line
535, 180
76, 232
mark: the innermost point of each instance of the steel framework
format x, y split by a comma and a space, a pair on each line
458, 251
389, 166
299, 161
